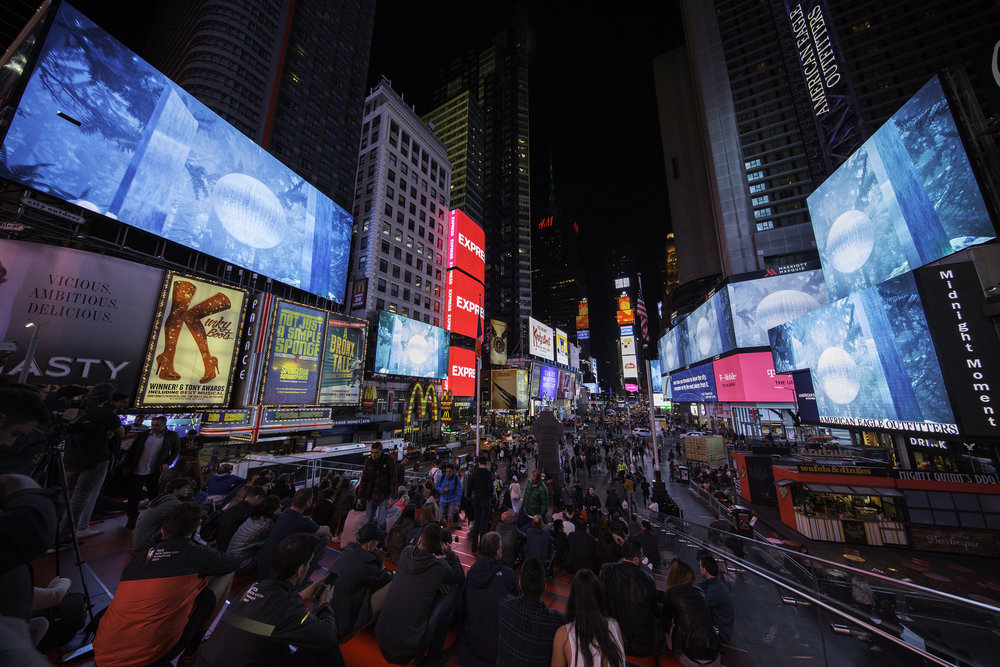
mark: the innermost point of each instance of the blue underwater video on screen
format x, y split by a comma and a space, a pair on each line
906, 198
99, 127
410, 347
870, 356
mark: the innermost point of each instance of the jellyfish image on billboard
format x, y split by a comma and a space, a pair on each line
669, 350
906, 198
764, 303
100, 128
708, 330
409, 347
870, 356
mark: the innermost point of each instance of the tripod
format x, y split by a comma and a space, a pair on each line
50, 473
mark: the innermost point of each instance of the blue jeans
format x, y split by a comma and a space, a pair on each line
84, 488
379, 508
447, 510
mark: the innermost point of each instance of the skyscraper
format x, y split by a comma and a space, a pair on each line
400, 213
785, 92
289, 75
497, 79
460, 124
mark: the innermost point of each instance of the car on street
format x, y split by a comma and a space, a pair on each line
643, 432
437, 452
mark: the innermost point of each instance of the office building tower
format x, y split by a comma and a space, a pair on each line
289, 75
786, 92
400, 213
460, 124
497, 78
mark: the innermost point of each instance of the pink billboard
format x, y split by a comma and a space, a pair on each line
750, 378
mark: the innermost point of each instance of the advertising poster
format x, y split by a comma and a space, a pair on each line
293, 364
708, 331
583, 315
574, 356
405, 346
906, 198
630, 367
461, 371
359, 294
872, 360
464, 305
750, 377
466, 245
966, 342
132, 145
562, 347
509, 389
343, 361
805, 397
694, 385
669, 349
92, 312
498, 343
548, 381
764, 303
194, 344
541, 340
655, 379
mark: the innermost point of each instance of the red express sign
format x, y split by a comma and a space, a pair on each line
466, 245
462, 371
464, 309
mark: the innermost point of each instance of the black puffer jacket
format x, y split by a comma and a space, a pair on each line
634, 602
687, 618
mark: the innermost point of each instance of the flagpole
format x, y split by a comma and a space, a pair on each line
479, 393
649, 386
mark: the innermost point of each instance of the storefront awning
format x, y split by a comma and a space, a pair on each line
819, 488
842, 490
876, 491
785, 482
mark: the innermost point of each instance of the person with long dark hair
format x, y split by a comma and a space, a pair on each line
590, 637
687, 619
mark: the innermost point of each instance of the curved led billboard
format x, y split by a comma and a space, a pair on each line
871, 359
907, 197
100, 128
405, 346
762, 304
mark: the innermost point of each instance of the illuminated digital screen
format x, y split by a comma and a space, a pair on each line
750, 377
409, 347
464, 305
696, 384
466, 245
293, 369
461, 371
906, 198
541, 340
100, 128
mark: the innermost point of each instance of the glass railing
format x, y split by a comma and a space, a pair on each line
792, 607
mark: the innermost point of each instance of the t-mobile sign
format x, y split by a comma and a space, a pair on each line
750, 377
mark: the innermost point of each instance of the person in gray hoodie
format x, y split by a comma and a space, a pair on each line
415, 617
147, 528
489, 582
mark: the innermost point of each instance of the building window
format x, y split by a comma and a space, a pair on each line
386, 228
392, 308
406, 294
409, 241
762, 213
755, 176
395, 270
362, 264
381, 284
383, 266
399, 236
763, 199
751, 164
385, 247
379, 304
764, 226
394, 290
397, 253
409, 259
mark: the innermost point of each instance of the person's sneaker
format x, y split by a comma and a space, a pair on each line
130, 524
88, 532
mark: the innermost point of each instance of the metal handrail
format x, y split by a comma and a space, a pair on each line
780, 583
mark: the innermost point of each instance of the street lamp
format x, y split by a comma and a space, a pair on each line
30, 357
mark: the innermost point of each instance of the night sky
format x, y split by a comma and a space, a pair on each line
592, 108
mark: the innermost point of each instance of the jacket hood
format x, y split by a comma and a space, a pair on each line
483, 572
165, 499
416, 560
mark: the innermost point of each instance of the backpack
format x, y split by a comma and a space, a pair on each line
210, 524
701, 643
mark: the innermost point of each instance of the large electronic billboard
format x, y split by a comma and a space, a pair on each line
562, 347
92, 315
764, 303
655, 379
907, 197
541, 340
750, 377
193, 346
669, 348
293, 362
343, 361
510, 389
461, 371
466, 245
708, 331
100, 128
464, 305
871, 359
694, 385
405, 346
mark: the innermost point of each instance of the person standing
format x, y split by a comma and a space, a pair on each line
482, 490
378, 482
151, 453
720, 603
536, 498
449, 486
91, 444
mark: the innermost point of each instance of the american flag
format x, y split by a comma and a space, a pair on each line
640, 309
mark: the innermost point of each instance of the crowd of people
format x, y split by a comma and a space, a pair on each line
396, 571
